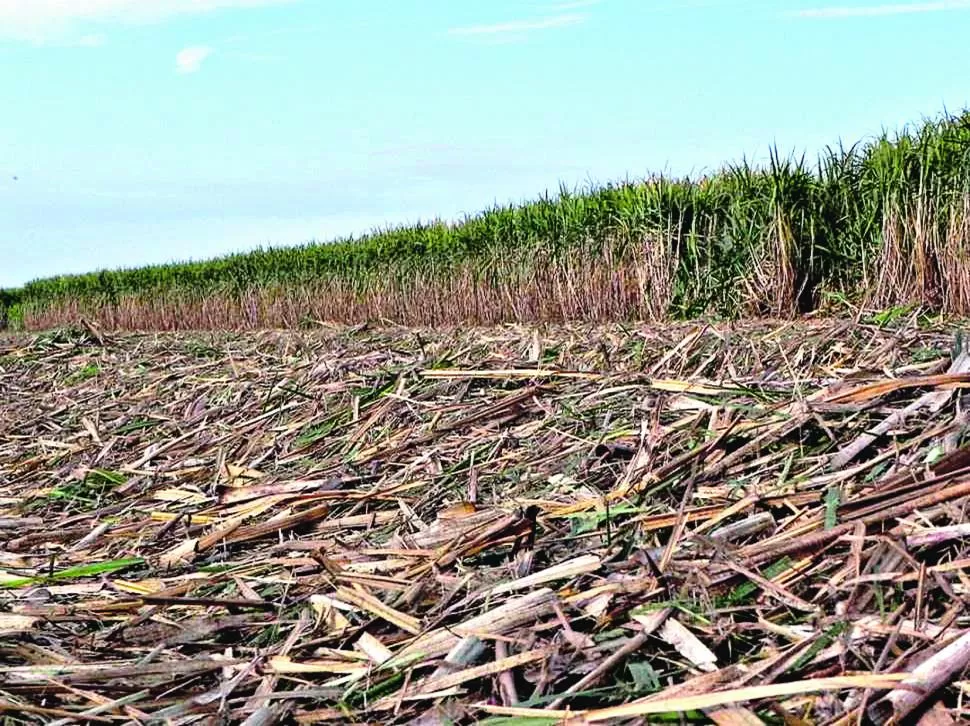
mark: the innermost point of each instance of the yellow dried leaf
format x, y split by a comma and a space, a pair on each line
285, 664
184, 496
192, 519
12, 624
142, 587
688, 645
328, 611
180, 554
373, 648
238, 476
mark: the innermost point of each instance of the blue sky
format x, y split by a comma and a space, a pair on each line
142, 131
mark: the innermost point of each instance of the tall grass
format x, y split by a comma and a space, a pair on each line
10, 309
880, 223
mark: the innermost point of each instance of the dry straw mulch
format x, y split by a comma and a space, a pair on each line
733, 525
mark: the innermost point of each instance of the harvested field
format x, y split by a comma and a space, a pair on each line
732, 525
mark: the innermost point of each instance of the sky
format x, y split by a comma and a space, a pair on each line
145, 131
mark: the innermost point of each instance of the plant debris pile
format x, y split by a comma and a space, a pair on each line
736, 525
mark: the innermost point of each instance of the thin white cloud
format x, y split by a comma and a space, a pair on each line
45, 21
521, 26
190, 60
868, 11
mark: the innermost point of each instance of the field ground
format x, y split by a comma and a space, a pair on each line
734, 525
